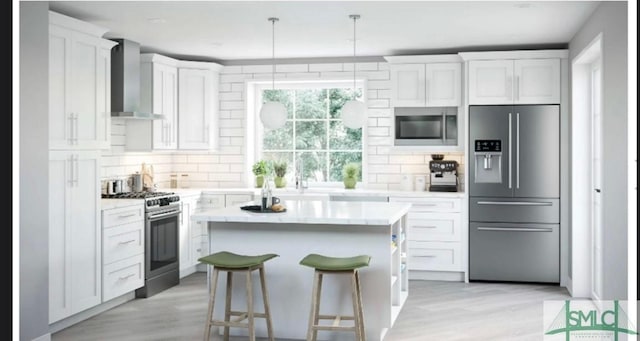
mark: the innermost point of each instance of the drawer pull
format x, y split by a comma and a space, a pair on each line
425, 256
424, 226
126, 277
430, 205
515, 203
519, 229
127, 242
127, 215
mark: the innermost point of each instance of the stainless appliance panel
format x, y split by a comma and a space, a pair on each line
537, 162
491, 123
514, 252
516, 210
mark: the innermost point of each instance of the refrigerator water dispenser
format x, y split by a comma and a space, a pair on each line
488, 161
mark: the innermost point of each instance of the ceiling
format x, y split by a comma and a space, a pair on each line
233, 31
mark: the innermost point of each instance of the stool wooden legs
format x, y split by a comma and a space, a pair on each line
265, 300
212, 297
315, 317
249, 315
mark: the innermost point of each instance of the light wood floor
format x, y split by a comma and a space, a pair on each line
434, 311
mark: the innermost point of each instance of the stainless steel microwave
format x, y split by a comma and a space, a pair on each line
426, 126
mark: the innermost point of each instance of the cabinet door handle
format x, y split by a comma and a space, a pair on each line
509, 89
75, 125
427, 95
425, 256
127, 215
70, 118
517, 88
71, 175
425, 226
127, 242
122, 278
76, 170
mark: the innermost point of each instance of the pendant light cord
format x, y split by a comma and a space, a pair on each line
354, 17
273, 52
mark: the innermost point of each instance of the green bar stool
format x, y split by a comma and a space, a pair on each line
343, 266
231, 263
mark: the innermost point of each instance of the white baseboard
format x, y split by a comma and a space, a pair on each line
91, 312
450, 276
45, 337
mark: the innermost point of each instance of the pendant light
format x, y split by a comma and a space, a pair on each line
273, 114
354, 111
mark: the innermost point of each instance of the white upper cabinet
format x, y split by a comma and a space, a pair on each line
79, 85
158, 95
519, 81
196, 108
426, 84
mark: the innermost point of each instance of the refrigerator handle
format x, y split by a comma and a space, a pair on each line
517, 150
510, 135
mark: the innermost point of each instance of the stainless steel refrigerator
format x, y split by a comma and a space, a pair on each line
514, 193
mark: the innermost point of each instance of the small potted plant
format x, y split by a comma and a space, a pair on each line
280, 170
350, 175
260, 170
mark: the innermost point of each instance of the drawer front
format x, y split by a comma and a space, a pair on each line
235, 199
435, 256
546, 211
122, 215
200, 247
431, 204
199, 229
122, 242
434, 226
209, 201
122, 277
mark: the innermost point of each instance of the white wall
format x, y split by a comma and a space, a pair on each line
34, 170
610, 19
226, 168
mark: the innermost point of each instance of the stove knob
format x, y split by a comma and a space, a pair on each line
442, 166
149, 203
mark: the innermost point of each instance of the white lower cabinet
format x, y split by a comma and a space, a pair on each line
194, 236
434, 233
75, 257
123, 238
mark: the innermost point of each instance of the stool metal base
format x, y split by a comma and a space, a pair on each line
241, 316
315, 317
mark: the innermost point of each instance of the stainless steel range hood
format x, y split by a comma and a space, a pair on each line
125, 82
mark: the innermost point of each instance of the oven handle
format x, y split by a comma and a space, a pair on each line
163, 215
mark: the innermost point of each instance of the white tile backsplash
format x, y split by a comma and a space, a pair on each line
226, 166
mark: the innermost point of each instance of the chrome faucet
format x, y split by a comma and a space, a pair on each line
300, 184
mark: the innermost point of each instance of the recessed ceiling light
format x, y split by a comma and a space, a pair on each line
157, 20
523, 5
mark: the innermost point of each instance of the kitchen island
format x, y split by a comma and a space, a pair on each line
336, 229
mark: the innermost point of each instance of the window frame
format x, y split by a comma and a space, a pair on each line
256, 130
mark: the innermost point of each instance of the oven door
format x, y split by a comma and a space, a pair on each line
162, 241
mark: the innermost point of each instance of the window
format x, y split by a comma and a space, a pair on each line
313, 135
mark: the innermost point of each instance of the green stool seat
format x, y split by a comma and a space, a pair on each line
231, 260
231, 263
335, 263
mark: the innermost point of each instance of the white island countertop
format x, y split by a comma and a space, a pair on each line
313, 212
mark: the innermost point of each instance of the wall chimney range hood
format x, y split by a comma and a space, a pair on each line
125, 82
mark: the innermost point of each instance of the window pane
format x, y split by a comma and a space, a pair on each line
311, 103
337, 98
342, 138
311, 135
314, 166
338, 160
283, 96
278, 139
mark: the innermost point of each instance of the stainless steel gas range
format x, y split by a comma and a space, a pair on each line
162, 235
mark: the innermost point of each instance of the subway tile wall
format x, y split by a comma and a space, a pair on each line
225, 167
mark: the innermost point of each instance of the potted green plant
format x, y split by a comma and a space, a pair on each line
280, 170
350, 175
259, 170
